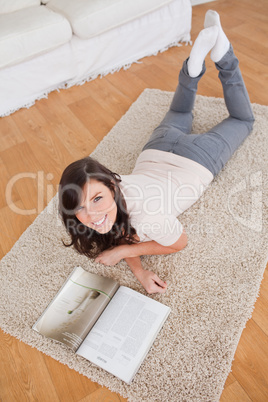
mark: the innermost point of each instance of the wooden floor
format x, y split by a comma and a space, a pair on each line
69, 125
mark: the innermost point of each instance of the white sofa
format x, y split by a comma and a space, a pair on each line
61, 43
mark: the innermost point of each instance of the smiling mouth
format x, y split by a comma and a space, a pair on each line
100, 222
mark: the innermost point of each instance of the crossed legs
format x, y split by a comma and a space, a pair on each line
214, 148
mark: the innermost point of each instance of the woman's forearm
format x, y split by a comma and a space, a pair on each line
146, 248
134, 264
149, 280
152, 248
113, 255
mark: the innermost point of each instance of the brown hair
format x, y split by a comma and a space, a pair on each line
84, 239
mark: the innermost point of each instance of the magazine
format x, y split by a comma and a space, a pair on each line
110, 325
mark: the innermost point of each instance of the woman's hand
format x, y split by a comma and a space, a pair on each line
151, 282
111, 256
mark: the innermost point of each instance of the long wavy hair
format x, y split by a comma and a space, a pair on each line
86, 240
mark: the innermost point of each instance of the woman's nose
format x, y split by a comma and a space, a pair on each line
95, 215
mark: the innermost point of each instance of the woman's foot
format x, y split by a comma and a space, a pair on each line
222, 44
203, 44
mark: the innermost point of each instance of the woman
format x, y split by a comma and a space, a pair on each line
112, 217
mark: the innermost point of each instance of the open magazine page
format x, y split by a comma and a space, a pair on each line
76, 307
123, 334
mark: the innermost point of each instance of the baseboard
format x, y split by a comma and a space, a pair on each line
196, 2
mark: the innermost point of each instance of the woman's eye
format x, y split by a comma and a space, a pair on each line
97, 199
79, 209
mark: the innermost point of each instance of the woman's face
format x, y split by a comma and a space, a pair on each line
97, 209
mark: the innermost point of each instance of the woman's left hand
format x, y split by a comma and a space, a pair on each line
111, 256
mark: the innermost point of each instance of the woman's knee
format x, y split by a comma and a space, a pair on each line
250, 124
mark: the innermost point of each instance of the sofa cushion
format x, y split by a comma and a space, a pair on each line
8, 6
30, 32
91, 18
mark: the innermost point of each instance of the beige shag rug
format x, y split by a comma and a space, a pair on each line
212, 284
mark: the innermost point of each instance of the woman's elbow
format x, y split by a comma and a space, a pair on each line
184, 240
181, 242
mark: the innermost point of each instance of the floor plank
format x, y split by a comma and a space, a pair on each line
251, 360
235, 393
103, 395
69, 385
260, 315
24, 385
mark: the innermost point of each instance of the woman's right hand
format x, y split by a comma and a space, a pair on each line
151, 282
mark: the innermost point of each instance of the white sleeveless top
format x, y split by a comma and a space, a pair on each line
161, 186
